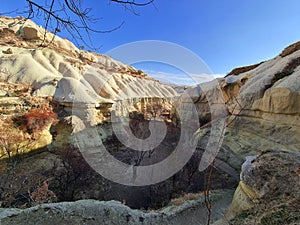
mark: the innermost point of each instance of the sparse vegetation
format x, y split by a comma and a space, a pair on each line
38, 119
12, 141
22, 118
186, 197
292, 65
290, 49
283, 214
42, 194
280, 75
242, 69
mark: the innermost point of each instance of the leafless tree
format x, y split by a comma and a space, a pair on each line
209, 171
11, 142
72, 16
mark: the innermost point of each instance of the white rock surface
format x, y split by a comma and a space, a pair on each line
79, 76
255, 93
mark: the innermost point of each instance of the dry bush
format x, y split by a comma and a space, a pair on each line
78, 172
42, 194
38, 119
12, 141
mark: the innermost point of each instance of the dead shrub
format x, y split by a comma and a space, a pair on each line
42, 195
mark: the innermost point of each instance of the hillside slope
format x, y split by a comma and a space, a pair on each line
61, 70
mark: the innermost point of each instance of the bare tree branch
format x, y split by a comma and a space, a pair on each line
71, 16
133, 2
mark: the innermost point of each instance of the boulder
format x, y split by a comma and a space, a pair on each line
8, 51
270, 181
30, 33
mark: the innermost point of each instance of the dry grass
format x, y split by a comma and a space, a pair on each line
242, 69
186, 197
290, 49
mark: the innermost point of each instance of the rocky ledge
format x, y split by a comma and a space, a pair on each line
268, 192
93, 212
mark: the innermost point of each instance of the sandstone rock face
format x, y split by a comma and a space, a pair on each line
269, 90
79, 80
80, 76
268, 95
41, 67
260, 103
266, 191
31, 34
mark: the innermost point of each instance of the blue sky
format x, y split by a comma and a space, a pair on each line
225, 34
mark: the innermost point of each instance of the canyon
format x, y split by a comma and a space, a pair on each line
256, 166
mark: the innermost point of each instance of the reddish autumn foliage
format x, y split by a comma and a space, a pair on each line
38, 119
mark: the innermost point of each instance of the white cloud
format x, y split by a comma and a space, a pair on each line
182, 79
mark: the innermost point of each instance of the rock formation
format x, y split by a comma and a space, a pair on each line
109, 213
72, 76
259, 105
262, 102
266, 194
